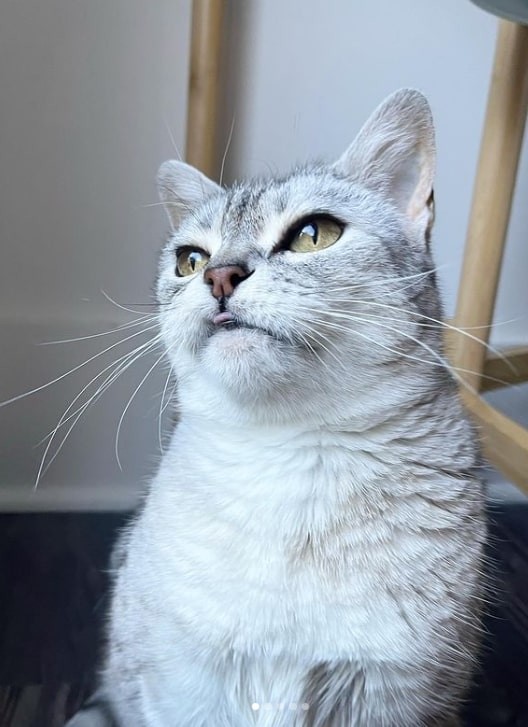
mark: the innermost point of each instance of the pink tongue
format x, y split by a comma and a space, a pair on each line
223, 318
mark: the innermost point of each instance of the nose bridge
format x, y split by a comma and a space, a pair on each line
224, 279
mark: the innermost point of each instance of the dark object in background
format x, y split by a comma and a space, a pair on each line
54, 595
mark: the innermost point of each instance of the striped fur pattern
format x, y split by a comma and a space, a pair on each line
310, 550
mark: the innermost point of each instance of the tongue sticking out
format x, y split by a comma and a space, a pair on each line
221, 319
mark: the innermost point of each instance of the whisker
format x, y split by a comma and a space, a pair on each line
439, 323
153, 204
226, 151
173, 140
306, 342
395, 279
171, 396
440, 364
142, 349
454, 370
118, 431
119, 305
312, 337
77, 416
175, 202
74, 369
325, 338
81, 410
145, 318
163, 406
119, 367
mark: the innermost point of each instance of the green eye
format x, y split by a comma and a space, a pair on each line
315, 235
190, 261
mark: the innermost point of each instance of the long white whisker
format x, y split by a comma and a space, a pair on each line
173, 140
92, 400
74, 369
312, 336
116, 364
118, 431
153, 204
315, 335
439, 323
163, 406
455, 370
170, 396
119, 367
306, 342
146, 318
383, 282
119, 305
77, 416
442, 364
413, 278
226, 151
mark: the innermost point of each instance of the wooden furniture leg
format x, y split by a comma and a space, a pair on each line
492, 196
505, 442
207, 22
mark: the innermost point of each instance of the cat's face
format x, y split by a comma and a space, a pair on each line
292, 294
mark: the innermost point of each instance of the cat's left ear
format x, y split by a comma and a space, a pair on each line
394, 154
182, 188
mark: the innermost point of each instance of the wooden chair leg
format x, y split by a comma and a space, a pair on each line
492, 196
207, 21
504, 441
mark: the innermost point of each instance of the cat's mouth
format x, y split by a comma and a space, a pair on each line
224, 318
227, 321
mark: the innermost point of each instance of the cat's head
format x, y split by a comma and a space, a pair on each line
301, 296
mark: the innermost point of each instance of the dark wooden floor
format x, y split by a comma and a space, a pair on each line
53, 599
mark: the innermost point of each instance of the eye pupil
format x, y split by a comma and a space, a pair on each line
314, 234
189, 262
194, 259
310, 231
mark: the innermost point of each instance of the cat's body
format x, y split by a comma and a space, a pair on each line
309, 553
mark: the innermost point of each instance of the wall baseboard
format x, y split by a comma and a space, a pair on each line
60, 498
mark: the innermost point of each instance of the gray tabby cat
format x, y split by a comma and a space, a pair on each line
310, 551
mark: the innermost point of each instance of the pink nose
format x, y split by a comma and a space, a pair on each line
224, 280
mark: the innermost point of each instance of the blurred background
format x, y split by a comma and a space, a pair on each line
93, 98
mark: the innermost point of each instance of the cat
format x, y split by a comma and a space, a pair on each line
310, 551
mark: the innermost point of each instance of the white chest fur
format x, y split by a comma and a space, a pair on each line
269, 560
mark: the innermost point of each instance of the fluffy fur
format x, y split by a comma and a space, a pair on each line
309, 552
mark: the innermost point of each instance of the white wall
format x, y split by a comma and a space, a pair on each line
88, 88
88, 91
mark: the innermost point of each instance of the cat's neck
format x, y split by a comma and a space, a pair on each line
226, 441
280, 477
276, 472
208, 407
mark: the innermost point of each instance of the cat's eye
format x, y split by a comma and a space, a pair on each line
315, 234
189, 261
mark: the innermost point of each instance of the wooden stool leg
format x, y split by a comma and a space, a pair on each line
492, 196
207, 21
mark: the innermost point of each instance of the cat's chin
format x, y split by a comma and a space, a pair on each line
248, 361
238, 340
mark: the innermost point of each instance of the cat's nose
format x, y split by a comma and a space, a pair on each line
224, 280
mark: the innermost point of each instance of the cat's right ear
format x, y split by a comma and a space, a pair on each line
394, 154
182, 188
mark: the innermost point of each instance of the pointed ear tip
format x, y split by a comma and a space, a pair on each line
410, 98
165, 173
407, 99
166, 170
409, 95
